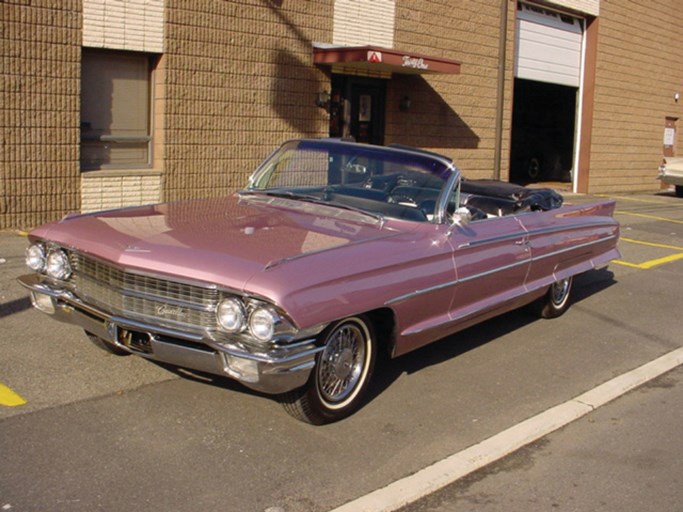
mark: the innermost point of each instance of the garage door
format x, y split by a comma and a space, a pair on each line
548, 46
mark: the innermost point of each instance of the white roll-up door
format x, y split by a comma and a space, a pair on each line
548, 46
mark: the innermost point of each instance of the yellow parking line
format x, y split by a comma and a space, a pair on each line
654, 217
9, 397
607, 196
626, 264
650, 264
651, 244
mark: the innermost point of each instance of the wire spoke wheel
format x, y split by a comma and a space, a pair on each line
341, 375
559, 292
341, 364
556, 301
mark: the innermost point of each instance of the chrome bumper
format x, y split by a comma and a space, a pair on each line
671, 178
278, 370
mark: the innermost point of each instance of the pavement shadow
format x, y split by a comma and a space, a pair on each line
591, 282
210, 379
389, 370
15, 306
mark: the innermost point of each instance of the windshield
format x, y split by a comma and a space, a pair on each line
388, 182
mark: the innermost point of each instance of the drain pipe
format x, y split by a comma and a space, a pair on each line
502, 45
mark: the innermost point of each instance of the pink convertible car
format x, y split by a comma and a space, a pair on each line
333, 252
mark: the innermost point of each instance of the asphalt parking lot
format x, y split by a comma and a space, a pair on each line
84, 430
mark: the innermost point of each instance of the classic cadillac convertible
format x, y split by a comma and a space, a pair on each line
333, 252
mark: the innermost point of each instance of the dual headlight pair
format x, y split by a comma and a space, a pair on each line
260, 320
54, 262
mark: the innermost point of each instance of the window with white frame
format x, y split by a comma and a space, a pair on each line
115, 110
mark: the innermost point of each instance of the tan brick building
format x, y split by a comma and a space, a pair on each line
108, 103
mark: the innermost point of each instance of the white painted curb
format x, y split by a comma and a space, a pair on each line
450, 469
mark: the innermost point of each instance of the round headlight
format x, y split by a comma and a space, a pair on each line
35, 257
230, 315
262, 324
57, 265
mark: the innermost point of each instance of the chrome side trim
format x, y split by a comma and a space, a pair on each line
455, 282
417, 293
470, 314
552, 229
493, 271
500, 238
574, 247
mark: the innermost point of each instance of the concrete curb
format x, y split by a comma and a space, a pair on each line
446, 471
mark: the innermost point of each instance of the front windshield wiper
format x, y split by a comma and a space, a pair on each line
288, 194
377, 216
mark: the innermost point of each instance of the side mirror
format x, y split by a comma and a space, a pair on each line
462, 216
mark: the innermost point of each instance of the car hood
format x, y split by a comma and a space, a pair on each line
222, 241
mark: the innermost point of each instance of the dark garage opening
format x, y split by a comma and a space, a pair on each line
543, 134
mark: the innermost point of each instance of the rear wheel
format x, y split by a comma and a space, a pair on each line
679, 190
556, 300
341, 376
106, 345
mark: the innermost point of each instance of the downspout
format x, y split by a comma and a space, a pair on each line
502, 46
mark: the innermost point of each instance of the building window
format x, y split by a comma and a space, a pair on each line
115, 110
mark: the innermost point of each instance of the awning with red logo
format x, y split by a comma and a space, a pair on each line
377, 60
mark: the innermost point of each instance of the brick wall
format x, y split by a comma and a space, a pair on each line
117, 189
638, 71
453, 114
39, 110
363, 22
136, 25
239, 80
591, 7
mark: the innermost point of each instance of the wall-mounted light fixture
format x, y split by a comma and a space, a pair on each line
677, 96
323, 100
404, 104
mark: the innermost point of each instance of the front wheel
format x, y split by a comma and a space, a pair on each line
556, 300
341, 376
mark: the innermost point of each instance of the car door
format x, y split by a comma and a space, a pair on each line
491, 258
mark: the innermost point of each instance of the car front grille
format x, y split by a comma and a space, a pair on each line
143, 297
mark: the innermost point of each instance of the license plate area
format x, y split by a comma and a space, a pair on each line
137, 341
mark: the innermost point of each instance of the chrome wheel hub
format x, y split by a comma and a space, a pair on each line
342, 362
560, 290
